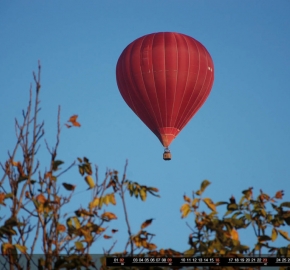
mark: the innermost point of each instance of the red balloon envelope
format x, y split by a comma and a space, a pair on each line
165, 78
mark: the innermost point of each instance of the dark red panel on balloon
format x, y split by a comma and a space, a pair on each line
165, 78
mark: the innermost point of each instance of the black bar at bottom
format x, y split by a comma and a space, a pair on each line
197, 261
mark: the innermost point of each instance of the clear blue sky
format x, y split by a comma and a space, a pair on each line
239, 138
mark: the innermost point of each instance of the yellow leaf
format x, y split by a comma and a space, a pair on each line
234, 234
143, 194
22, 249
112, 199
107, 199
194, 201
90, 181
146, 223
210, 204
137, 241
76, 222
274, 234
185, 209
100, 230
79, 245
94, 203
108, 216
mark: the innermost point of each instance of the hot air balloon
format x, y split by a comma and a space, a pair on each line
165, 78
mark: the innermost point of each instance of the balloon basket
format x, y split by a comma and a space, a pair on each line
167, 154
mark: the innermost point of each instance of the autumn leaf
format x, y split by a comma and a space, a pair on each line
69, 186
90, 181
284, 234
73, 120
279, 194
2, 197
55, 164
79, 245
41, 198
204, 184
107, 236
210, 204
5, 247
186, 198
108, 216
60, 228
150, 246
22, 249
68, 126
274, 234
143, 194
94, 203
185, 209
248, 193
114, 230
146, 223
234, 235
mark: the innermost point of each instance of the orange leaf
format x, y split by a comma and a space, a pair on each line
76, 124
235, 235
73, 120
2, 197
146, 223
41, 198
61, 228
279, 194
108, 216
151, 246
48, 175
107, 236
